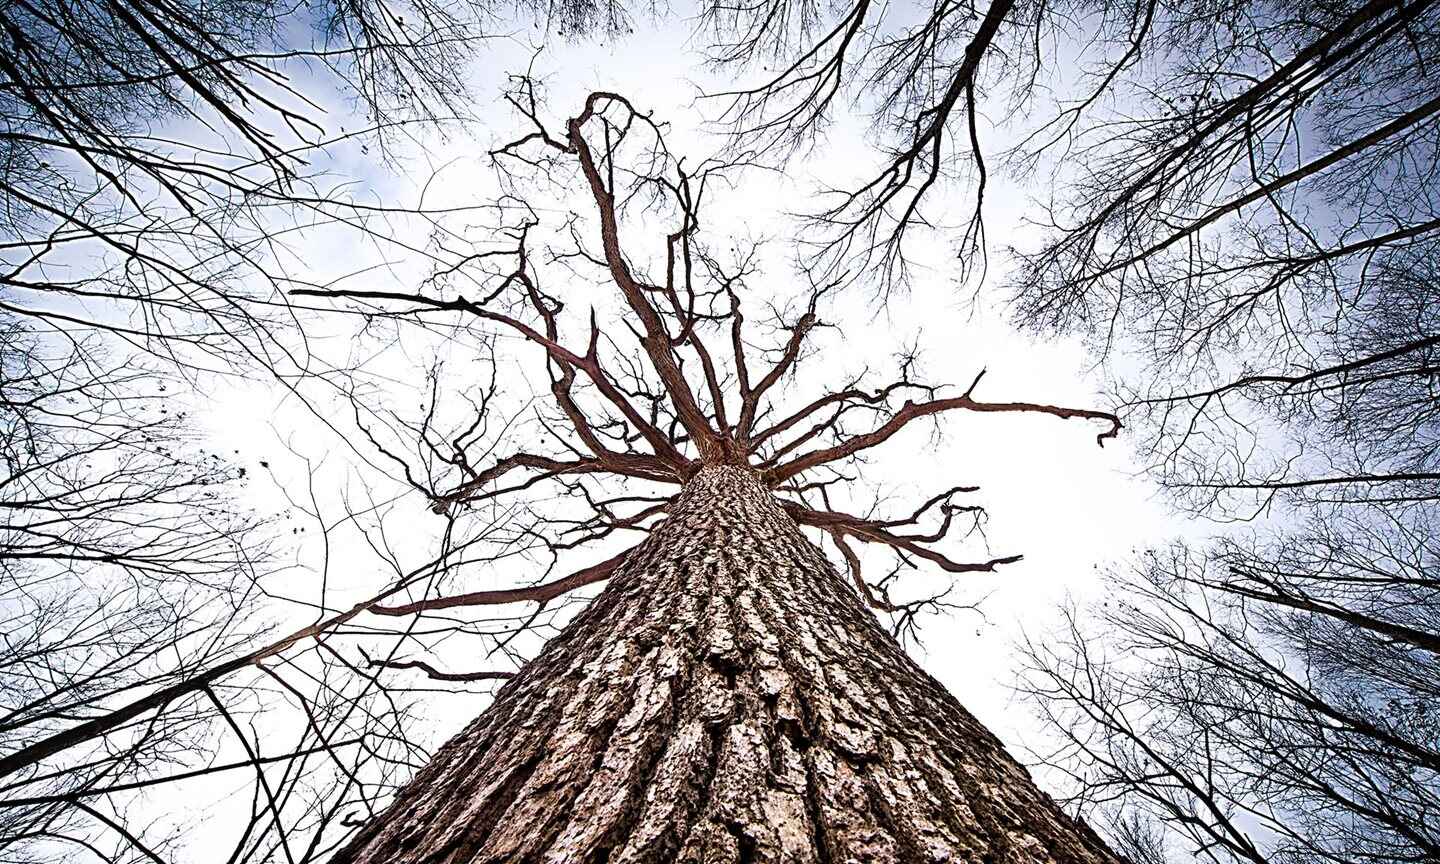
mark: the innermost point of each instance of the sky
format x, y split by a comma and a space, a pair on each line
1070, 507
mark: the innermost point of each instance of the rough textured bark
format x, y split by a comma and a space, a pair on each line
727, 698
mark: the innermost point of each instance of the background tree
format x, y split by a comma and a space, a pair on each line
119, 545
1259, 234
1272, 702
136, 590
728, 696
155, 159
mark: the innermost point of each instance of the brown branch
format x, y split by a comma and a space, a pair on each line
911, 411
873, 531
685, 314
656, 340
535, 594
751, 403
853, 561
610, 462
737, 344
589, 363
850, 394
878, 597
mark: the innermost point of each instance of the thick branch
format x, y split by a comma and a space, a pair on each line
657, 338
536, 594
630, 465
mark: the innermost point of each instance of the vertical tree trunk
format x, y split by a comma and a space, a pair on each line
727, 698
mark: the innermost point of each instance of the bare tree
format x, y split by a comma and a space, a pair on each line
1253, 244
156, 159
1272, 702
118, 544
143, 651
922, 73
728, 695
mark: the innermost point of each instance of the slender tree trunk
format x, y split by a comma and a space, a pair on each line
727, 698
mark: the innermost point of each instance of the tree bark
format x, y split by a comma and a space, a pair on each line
726, 698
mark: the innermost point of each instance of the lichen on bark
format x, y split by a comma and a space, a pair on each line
727, 698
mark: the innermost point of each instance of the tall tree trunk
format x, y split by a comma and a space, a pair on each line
727, 698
